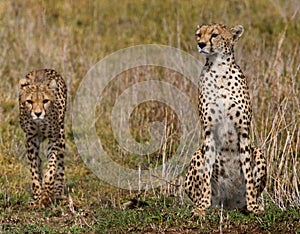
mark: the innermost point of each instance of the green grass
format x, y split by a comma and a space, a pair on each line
163, 214
71, 36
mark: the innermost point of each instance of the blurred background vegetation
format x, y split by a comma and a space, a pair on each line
71, 36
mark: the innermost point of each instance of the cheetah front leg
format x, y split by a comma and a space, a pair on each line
194, 179
200, 175
209, 158
60, 172
259, 170
53, 182
47, 194
50, 175
251, 192
33, 145
60, 177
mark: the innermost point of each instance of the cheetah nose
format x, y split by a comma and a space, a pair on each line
201, 45
37, 114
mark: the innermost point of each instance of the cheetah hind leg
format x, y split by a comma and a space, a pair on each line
193, 183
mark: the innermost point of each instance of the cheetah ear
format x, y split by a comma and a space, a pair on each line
53, 85
23, 83
237, 32
198, 26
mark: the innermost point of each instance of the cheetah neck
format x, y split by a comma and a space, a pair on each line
217, 63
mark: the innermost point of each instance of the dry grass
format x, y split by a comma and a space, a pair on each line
71, 36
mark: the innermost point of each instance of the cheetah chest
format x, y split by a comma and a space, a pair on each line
223, 96
222, 113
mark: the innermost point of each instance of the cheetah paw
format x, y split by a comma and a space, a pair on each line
198, 213
255, 209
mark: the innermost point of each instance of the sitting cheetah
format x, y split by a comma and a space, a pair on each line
226, 171
42, 104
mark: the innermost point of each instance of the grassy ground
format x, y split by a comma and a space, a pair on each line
71, 36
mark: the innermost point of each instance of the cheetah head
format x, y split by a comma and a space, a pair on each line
37, 98
217, 39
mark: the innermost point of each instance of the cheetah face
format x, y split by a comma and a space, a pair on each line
217, 39
37, 99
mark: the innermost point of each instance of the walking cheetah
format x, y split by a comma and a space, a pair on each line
226, 170
42, 104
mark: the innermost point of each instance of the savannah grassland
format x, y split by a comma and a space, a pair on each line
71, 36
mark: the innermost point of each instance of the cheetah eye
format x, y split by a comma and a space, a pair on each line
214, 35
46, 101
198, 34
29, 102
